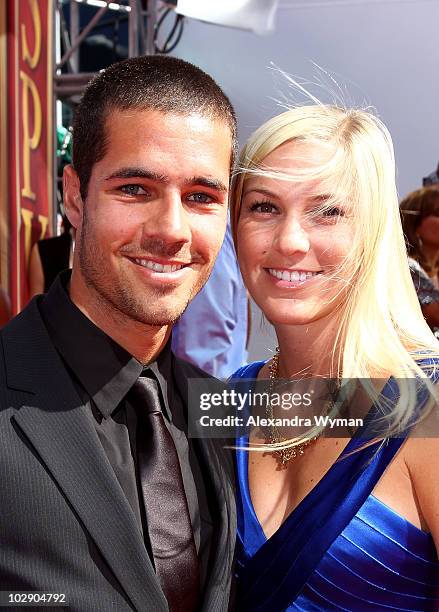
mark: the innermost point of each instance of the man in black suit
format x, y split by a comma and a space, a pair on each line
105, 499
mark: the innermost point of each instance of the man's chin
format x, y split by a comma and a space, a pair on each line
155, 308
162, 310
157, 317
158, 322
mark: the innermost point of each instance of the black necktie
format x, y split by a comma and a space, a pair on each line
167, 514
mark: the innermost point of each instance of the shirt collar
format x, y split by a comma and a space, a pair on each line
103, 368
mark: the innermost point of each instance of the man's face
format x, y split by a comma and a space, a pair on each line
155, 214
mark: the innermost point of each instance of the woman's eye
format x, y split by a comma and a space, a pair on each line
334, 211
263, 207
133, 190
200, 198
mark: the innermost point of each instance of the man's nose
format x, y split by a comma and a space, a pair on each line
170, 222
291, 237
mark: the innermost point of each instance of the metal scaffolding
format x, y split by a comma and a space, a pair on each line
68, 80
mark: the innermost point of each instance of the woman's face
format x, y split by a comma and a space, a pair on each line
290, 260
428, 231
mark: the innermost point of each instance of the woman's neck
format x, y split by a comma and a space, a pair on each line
308, 350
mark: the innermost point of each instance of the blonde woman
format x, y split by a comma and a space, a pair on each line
335, 523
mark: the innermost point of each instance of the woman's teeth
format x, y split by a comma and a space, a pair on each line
292, 276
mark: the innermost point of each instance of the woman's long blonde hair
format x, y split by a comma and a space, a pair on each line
382, 331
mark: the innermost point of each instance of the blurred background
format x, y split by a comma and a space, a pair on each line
381, 54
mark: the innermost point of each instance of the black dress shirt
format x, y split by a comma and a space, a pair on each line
103, 373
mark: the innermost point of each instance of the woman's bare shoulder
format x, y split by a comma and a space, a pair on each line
421, 456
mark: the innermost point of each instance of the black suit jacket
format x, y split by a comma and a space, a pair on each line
65, 524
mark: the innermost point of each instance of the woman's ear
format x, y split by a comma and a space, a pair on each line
73, 204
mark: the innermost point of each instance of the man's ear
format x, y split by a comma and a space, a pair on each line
73, 204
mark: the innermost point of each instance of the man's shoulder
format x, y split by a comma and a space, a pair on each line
23, 330
24, 345
24, 320
189, 369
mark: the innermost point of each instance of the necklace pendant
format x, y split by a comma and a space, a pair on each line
273, 435
285, 455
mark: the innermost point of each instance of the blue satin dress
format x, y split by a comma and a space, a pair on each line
341, 548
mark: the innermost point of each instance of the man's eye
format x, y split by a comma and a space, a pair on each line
200, 198
263, 207
133, 190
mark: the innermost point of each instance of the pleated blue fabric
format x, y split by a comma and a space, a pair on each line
341, 548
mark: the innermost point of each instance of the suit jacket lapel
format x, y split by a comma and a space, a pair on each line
221, 471
61, 430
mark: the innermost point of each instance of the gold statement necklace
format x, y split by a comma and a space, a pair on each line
284, 455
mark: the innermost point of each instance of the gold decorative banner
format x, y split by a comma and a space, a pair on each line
4, 209
30, 136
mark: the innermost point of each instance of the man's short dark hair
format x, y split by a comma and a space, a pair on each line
156, 82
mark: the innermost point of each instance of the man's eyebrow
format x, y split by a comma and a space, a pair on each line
128, 173
132, 172
207, 182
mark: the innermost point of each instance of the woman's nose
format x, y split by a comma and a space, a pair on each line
291, 237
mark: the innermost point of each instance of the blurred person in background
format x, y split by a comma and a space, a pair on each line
432, 178
420, 221
49, 257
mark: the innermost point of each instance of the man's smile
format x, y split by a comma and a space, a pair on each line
156, 266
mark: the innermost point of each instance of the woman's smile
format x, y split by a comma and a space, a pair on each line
284, 277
